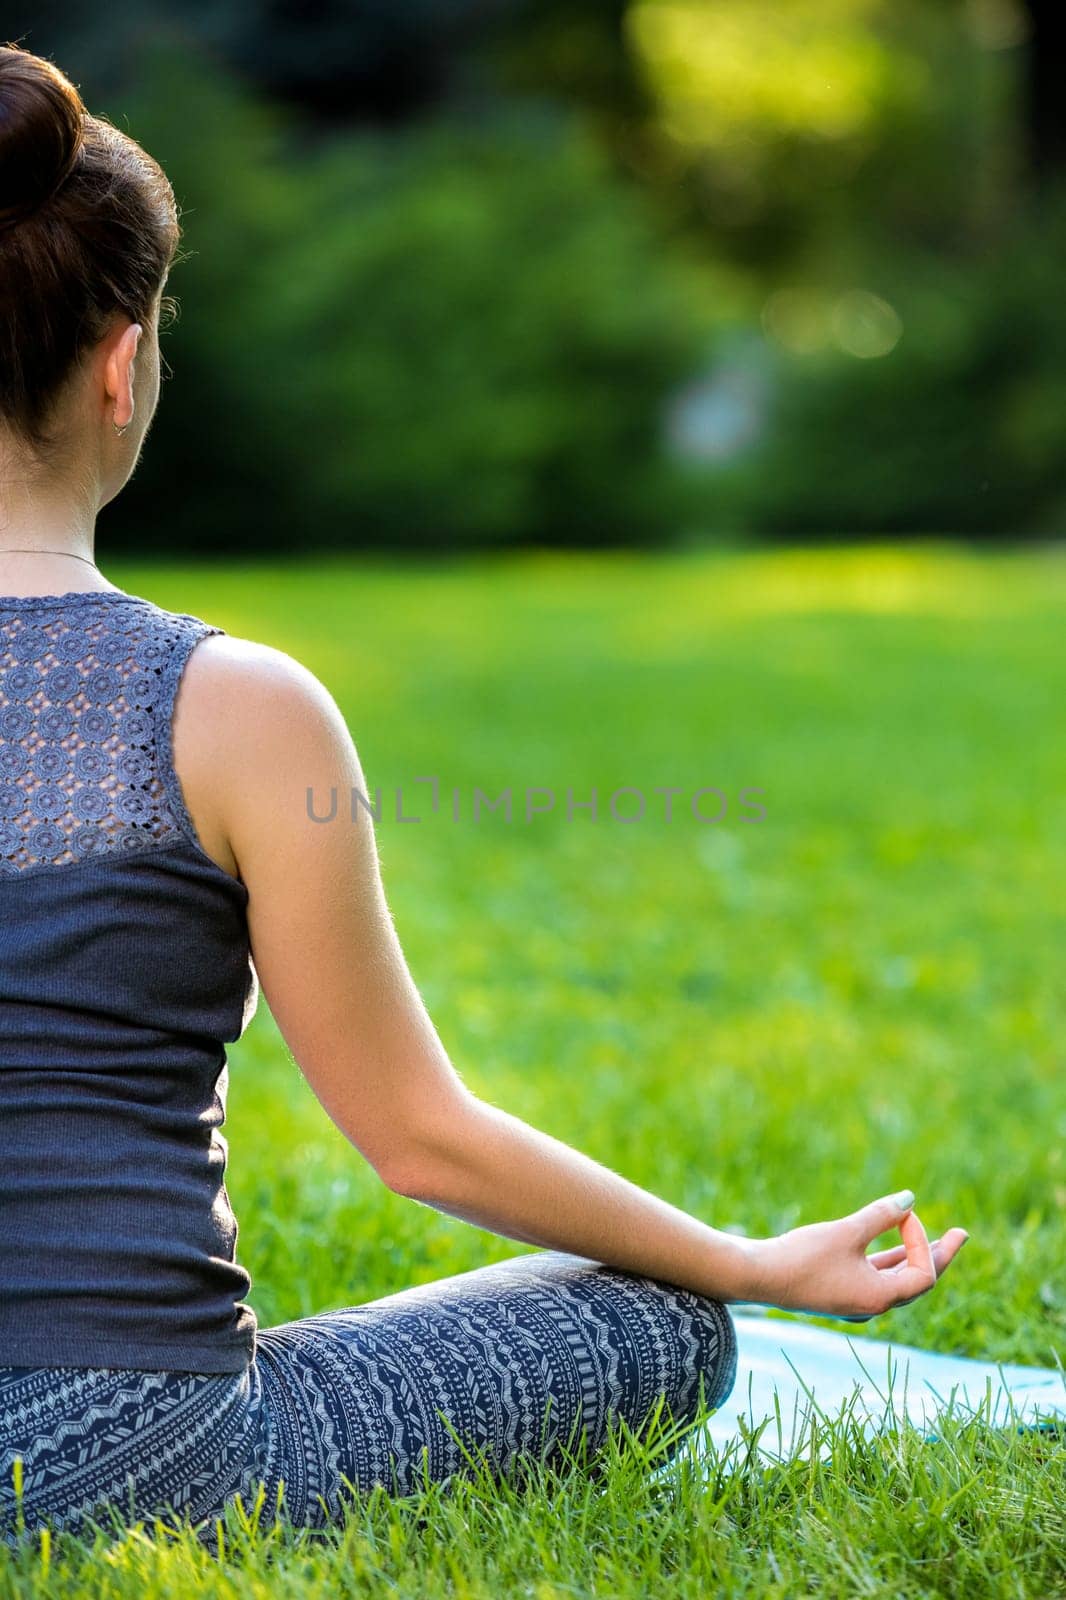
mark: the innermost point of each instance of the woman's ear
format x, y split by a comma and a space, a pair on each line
119, 373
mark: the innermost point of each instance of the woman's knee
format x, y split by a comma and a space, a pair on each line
719, 1353
670, 1342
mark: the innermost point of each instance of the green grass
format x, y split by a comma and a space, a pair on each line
767, 1023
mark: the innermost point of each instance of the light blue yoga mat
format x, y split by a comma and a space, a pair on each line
788, 1370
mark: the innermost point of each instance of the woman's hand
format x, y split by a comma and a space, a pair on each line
823, 1267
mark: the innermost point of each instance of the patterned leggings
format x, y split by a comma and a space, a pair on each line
512, 1360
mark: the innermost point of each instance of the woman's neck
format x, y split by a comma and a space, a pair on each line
38, 569
46, 544
47, 528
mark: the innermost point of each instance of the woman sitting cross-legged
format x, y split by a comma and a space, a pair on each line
159, 868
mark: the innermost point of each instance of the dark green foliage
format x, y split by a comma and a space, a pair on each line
457, 335
441, 289
959, 427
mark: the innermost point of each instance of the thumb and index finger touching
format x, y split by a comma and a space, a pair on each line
918, 1270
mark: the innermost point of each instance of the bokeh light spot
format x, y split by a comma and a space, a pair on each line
864, 325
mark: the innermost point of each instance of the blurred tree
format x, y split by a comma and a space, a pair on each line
453, 321
454, 335
336, 60
361, 60
937, 409
1046, 74
818, 132
576, 51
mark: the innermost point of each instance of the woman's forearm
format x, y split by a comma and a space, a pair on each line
493, 1170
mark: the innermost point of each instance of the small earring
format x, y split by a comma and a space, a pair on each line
118, 430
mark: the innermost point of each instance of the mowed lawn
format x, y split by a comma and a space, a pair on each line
766, 1021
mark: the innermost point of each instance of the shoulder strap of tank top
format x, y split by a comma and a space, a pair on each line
173, 658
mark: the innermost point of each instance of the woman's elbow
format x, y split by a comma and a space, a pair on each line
407, 1175
418, 1166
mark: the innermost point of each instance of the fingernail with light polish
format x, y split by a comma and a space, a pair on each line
905, 1199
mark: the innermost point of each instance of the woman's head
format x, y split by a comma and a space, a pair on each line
88, 230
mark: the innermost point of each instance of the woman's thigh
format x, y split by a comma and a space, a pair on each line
515, 1359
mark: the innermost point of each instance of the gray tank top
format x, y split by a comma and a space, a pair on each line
125, 968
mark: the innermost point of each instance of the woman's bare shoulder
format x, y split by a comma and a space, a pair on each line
252, 727
245, 694
247, 671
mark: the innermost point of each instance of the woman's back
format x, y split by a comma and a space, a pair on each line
125, 968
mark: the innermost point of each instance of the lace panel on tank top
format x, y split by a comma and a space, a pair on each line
86, 694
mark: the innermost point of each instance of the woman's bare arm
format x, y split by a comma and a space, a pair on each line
259, 733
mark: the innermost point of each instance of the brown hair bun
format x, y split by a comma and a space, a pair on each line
88, 229
42, 127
